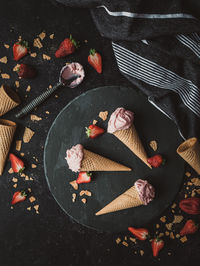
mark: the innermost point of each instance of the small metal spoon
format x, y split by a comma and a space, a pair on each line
43, 96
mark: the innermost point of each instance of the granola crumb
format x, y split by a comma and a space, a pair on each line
47, 112
157, 226
51, 36
161, 235
33, 54
31, 179
5, 76
18, 145
14, 179
141, 252
94, 122
17, 84
35, 118
33, 165
118, 240
15, 185
4, 60
177, 219
183, 239
169, 226
28, 88
125, 243
46, 57
163, 219
153, 144
42, 35
125, 238
32, 199
26, 177
6, 45
173, 206
85, 192
196, 181
132, 239
28, 134
10, 171
188, 174
22, 154
36, 207
166, 233
103, 115
172, 235
177, 236
74, 184
37, 43
193, 194
84, 200
73, 197
22, 175
29, 208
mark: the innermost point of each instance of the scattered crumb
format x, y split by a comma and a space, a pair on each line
28, 88
22, 175
84, 200
36, 207
46, 57
51, 36
4, 60
26, 177
32, 199
50, 86
31, 179
22, 154
5, 76
118, 240
157, 225
125, 243
37, 43
166, 233
187, 188
33, 165
42, 35
33, 54
85, 41
141, 252
35, 118
29, 208
169, 253
163, 219
6, 46
15, 179
198, 191
29, 189
196, 181
16, 67
18, 145
74, 184
177, 219
11, 207
183, 239
103, 115
125, 238
47, 112
188, 174
15, 185
17, 84
10, 171
161, 235
177, 236
28, 134
169, 226
86, 192
173, 206
94, 122
172, 235
132, 239
153, 144
73, 197
56, 96
185, 196
193, 193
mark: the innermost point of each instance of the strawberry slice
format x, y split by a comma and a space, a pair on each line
84, 177
156, 161
140, 233
20, 49
189, 228
26, 71
68, 46
157, 244
16, 163
95, 60
18, 197
94, 131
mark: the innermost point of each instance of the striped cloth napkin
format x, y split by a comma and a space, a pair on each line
157, 47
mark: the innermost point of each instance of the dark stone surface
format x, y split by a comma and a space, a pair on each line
52, 238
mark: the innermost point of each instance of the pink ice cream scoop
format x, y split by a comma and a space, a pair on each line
120, 119
74, 157
72, 70
145, 190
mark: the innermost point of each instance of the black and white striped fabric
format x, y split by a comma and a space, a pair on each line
157, 47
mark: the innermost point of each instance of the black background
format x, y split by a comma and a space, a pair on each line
52, 238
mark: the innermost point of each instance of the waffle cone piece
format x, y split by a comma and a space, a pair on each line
129, 199
189, 150
8, 99
7, 130
131, 139
95, 162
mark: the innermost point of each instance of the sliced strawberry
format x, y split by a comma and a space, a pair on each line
26, 71
18, 197
95, 60
140, 233
157, 244
189, 228
68, 46
16, 163
84, 177
94, 131
156, 161
20, 49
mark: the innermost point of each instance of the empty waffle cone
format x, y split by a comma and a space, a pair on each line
8, 99
128, 199
95, 162
189, 150
131, 139
7, 130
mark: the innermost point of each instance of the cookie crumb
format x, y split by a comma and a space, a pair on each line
74, 184
4, 60
141, 252
169, 226
161, 235
51, 36
177, 219
177, 236
166, 233
118, 240
22, 154
153, 144
33, 54
195, 181
37, 43
31, 179
28, 88
16, 67
157, 226
125, 243
132, 239
47, 112
18, 145
94, 122
183, 239
172, 235
169, 253
15, 179
73, 197
36, 207
35, 118
103, 115
15, 185
32, 199
85, 192
17, 84
11, 207
29, 208
46, 57
163, 219
6, 45
5, 76
29, 189
10, 171
84, 200
173, 206
42, 35
188, 174
28, 134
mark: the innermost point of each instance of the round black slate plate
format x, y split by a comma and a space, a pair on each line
69, 129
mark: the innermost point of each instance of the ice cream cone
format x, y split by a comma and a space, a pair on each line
189, 150
129, 199
7, 130
8, 99
94, 162
131, 139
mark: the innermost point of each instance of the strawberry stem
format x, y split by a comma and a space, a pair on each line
92, 51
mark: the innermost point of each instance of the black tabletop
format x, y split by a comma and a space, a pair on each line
50, 237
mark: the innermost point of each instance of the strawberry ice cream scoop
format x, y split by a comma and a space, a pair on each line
145, 190
71, 70
120, 119
75, 157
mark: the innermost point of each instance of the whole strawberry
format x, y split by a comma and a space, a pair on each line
26, 71
68, 46
20, 49
95, 60
156, 161
189, 228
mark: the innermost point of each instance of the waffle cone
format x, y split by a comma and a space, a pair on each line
189, 150
7, 130
131, 139
128, 199
95, 162
8, 99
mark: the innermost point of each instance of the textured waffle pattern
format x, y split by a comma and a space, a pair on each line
189, 150
28, 134
128, 199
131, 139
7, 130
94, 162
7, 102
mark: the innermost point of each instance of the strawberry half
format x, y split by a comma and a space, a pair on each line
84, 177
16, 163
189, 228
26, 71
18, 197
157, 244
68, 46
20, 49
140, 233
95, 60
94, 131
156, 161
